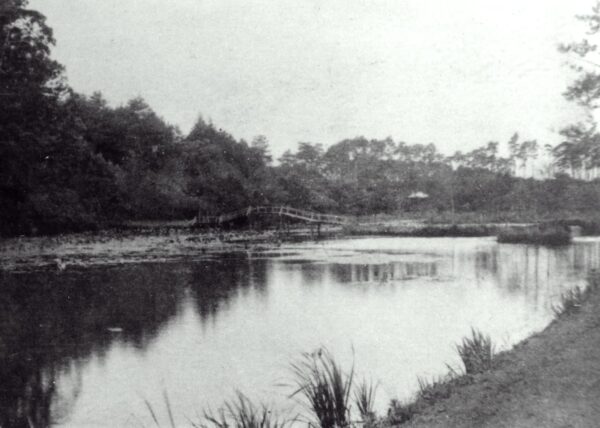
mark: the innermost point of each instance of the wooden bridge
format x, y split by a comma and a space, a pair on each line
281, 211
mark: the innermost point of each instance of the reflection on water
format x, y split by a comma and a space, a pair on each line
383, 272
85, 347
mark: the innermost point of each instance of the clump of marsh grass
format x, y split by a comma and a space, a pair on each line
431, 391
325, 387
241, 412
476, 352
570, 302
364, 397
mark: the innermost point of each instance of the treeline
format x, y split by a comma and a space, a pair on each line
360, 176
70, 162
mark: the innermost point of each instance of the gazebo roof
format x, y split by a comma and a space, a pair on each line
418, 195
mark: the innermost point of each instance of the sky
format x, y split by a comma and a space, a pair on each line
456, 73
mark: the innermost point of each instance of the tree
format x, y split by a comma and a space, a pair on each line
310, 155
578, 152
30, 81
260, 145
585, 90
528, 150
31, 85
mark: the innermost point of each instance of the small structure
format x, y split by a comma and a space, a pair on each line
416, 200
418, 196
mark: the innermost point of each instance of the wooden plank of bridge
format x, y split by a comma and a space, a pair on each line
305, 215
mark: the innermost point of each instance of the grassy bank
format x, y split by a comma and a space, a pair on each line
551, 379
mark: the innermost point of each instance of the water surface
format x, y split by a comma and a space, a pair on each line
86, 346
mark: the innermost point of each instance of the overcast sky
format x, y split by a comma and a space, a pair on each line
457, 73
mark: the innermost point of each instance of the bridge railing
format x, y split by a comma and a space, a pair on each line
305, 215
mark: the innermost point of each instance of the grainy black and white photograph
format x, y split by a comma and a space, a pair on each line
299, 213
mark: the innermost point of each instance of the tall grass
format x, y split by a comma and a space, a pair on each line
325, 387
364, 397
476, 352
431, 391
242, 413
570, 302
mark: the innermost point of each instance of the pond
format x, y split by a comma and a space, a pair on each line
93, 346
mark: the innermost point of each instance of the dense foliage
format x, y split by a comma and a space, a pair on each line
71, 162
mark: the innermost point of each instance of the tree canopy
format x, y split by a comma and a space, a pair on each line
71, 162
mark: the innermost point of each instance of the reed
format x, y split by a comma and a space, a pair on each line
570, 302
476, 352
364, 398
241, 412
325, 387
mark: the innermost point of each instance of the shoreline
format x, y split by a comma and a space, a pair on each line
550, 379
108, 247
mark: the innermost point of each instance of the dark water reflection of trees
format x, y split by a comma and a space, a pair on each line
52, 323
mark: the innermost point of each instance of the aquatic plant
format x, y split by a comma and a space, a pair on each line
364, 397
325, 387
241, 412
476, 352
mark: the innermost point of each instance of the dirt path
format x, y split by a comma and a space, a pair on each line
550, 380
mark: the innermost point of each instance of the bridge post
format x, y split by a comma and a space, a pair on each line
280, 225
